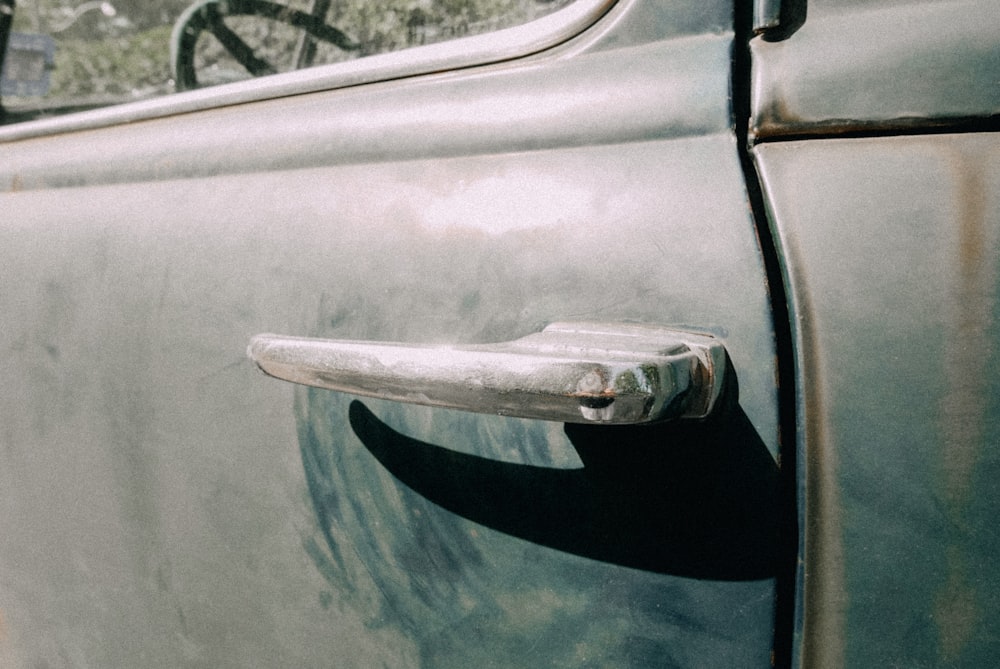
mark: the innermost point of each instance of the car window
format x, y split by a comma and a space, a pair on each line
69, 55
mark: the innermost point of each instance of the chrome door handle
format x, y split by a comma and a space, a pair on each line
569, 372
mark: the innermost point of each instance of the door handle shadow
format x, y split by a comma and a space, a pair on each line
690, 498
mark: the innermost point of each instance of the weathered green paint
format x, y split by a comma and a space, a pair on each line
892, 248
165, 505
890, 253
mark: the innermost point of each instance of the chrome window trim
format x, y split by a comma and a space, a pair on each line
492, 47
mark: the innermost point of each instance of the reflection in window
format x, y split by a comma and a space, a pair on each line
68, 55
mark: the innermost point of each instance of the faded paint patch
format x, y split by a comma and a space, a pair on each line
526, 200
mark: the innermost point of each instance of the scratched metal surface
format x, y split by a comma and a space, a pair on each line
892, 249
163, 504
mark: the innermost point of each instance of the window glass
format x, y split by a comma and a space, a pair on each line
68, 55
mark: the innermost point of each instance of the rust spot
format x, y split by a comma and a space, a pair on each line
777, 123
963, 407
962, 411
16, 184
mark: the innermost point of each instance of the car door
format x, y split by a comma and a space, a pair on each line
876, 138
166, 504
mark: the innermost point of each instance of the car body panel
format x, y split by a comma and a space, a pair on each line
855, 67
677, 93
891, 248
874, 126
173, 507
